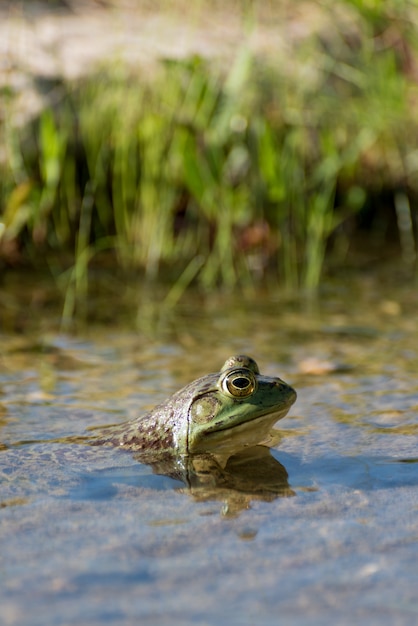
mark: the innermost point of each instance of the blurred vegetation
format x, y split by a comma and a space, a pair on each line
224, 177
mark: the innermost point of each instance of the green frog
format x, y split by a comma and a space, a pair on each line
219, 413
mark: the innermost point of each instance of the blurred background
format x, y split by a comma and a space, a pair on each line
161, 147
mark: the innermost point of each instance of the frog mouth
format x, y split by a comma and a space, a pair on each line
230, 438
274, 417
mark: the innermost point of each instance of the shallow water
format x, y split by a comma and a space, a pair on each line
93, 536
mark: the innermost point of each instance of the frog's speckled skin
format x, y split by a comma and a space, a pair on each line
220, 412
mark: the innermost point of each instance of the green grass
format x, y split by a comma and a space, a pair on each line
219, 178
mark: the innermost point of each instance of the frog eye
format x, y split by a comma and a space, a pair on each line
238, 383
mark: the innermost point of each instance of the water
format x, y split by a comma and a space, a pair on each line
93, 536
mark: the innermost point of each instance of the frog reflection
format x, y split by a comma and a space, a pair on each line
237, 480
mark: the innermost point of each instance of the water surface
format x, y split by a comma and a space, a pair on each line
93, 536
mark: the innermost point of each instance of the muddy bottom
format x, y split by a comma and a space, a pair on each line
320, 529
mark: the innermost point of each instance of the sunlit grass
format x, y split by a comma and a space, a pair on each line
216, 176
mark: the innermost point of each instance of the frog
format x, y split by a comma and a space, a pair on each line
219, 413
213, 436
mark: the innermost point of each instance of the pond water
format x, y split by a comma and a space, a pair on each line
321, 529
